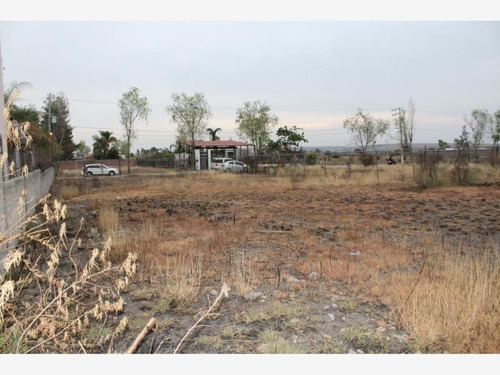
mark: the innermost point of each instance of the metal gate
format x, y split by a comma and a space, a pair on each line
203, 159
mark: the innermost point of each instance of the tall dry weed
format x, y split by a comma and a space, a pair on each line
68, 192
43, 307
182, 275
454, 306
109, 221
447, 298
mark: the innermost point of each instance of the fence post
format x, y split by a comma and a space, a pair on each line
304, 162
376, 162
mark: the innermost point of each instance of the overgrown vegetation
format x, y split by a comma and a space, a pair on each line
426, 174
374, 234
46, 309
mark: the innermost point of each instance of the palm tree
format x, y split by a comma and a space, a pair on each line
213, 134
103, 144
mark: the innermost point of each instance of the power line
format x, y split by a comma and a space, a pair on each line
332, 110
315, 131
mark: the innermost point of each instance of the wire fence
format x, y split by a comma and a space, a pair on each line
270, 163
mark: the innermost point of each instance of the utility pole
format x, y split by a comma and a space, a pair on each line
399, 130
48, 119
3, 131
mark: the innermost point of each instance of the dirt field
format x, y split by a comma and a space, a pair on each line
312, 266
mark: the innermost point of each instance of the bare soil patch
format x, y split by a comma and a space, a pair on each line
290, 253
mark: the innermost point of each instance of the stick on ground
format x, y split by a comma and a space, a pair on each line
144, 332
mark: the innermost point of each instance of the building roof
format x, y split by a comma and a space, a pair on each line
218, 143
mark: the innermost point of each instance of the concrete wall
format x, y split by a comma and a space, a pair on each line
13, 211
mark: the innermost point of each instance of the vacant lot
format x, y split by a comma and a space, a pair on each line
315, 264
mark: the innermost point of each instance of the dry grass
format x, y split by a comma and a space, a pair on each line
108, 221
70, 173
182, 278
273, 343
69, 191
362, 338
450, 306
454, 306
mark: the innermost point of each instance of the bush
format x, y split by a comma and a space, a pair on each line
312, 158
367, 159
494, 157
460, 171
426, 171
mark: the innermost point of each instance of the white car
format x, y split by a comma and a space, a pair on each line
218, 163
98, 169
234, 166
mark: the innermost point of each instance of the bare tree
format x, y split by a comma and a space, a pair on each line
405, 127
191, 114
133, 107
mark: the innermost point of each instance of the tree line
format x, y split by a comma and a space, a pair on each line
365, 129
192, 113
53, 134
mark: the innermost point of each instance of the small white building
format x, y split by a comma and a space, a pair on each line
206, 151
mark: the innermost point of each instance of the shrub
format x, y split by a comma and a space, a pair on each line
367, 159
312, 158
426, 171
494, 157
69, 191
460, 172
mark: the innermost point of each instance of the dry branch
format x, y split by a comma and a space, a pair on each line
272, 231
224, 292
141, 336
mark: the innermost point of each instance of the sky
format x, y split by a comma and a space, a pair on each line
313, 74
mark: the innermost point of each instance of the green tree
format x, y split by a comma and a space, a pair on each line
105, 145
312, 158
60, 128
154, 152
255, 121
133, 107
365, 129
178, 148
42, 143
81, 150
287, 138
495, 129
25, 114
460, 172
477, 124
213, 134
442, 144
191, 115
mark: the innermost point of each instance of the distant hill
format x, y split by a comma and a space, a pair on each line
380, 148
